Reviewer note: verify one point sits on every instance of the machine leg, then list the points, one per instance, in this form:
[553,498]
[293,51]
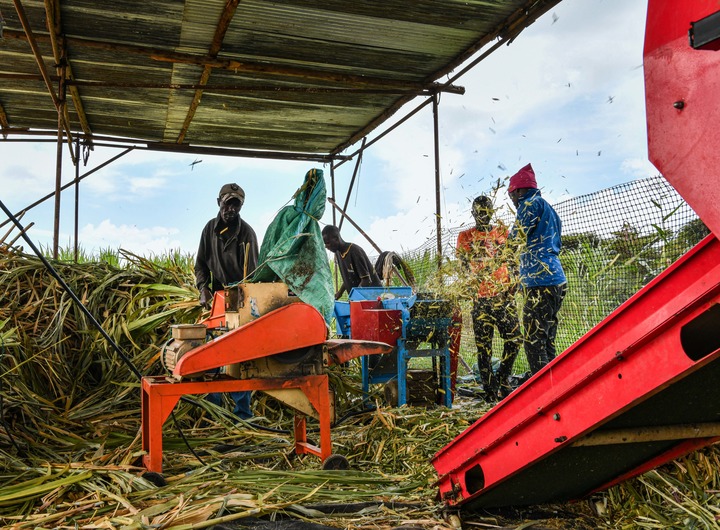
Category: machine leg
[402,369]
[159,397]
[155,410]
[317,390]
[300,432]
[455,333]
[446,377]
[365,370]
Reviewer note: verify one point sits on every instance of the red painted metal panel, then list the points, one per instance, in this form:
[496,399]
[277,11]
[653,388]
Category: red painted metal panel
[682,88]
[371,322]
[637,352]
[217,313]
[341,351]
[288,328]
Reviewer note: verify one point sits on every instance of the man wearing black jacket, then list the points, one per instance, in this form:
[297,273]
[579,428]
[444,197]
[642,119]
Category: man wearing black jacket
[228,250]
[227,254]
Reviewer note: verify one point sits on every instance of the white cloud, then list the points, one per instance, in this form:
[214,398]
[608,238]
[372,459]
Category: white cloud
[155,240]
[638,168]
[147,185]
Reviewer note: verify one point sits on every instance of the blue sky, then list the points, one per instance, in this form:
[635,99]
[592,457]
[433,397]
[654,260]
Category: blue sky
[567,95]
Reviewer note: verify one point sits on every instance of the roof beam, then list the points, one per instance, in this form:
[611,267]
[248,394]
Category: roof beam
[43,70]
[54,24]
[247,153]
[121,142]
[268,69]
[429,91]
[4,121]
[215,47]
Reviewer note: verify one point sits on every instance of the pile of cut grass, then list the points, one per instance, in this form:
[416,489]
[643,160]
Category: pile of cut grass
[70,430]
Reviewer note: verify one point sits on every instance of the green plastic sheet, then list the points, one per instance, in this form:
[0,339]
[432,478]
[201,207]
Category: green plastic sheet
[293,251]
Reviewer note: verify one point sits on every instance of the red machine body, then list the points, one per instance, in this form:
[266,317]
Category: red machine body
[640,388]
[682,87]
[297,327]
[621,400]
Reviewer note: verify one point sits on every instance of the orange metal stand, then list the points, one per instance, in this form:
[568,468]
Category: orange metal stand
[161,394]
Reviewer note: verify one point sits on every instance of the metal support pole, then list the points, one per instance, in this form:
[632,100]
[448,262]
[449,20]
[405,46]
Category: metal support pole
[336,268]
[357,227]
[438,217]
[332,189]
[58,164]
[352,181]
[77,194]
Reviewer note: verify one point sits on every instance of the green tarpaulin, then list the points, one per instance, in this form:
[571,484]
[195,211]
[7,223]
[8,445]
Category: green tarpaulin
[293,252]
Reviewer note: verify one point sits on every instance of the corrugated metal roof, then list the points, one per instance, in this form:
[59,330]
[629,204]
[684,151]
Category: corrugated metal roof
[296,76]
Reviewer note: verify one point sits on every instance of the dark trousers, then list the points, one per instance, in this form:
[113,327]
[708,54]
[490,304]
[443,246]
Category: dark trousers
[540,320]
[243,407]
[489,313]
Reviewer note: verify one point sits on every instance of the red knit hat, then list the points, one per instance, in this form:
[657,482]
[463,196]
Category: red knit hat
[525,178]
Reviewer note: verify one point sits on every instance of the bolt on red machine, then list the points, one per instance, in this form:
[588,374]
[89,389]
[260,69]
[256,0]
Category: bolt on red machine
[640,388]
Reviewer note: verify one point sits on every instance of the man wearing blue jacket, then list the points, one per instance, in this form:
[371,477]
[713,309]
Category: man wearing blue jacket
[538,230]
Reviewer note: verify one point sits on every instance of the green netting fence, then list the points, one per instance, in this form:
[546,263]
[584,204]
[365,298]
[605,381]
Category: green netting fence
[614,242]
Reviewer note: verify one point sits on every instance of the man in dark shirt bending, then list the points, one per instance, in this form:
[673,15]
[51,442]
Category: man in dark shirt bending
[355,267]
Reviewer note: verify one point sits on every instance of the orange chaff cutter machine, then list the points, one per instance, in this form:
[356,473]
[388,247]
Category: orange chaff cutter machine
[272,342]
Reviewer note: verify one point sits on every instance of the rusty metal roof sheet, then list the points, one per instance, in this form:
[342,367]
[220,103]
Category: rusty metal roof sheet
[298,76]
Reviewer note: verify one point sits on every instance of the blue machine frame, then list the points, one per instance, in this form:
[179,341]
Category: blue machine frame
[415,330]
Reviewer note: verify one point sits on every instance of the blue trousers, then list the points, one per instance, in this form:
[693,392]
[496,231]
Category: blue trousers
[242,402]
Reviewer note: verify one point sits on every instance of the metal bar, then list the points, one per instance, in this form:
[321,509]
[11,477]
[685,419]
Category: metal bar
[184,148]
[32,41]
[58,173]
[4,124]
[252,88]
[77,197]
[241,88]
[352,182]
[336,277]
[438,216]
[273,155]
[215,46]
[64,187]
[650,434]
[377,248]
[332,189]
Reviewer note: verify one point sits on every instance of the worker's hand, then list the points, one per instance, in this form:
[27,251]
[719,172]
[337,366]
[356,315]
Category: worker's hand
[205,297]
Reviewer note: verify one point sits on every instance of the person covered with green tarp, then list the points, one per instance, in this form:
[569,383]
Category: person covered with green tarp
[293,251]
